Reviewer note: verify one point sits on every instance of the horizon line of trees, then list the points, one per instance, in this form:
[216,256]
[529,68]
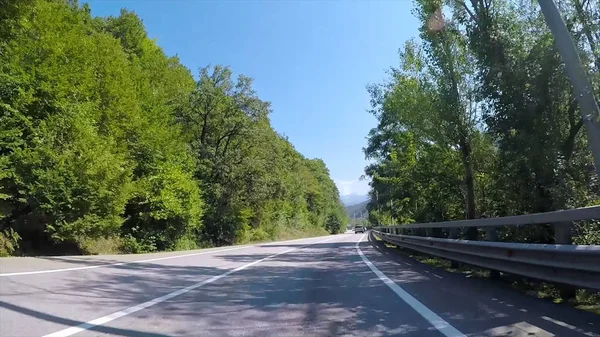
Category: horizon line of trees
[107,144]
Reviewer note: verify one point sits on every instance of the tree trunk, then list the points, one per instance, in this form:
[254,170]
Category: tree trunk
[466,154]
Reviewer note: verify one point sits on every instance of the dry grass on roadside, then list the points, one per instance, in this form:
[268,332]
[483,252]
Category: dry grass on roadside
[102,245]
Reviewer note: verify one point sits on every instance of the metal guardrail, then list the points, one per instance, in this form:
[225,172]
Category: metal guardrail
[578,214]
[574,265]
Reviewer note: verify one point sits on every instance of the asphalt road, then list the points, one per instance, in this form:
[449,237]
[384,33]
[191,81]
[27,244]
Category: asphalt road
[328,286]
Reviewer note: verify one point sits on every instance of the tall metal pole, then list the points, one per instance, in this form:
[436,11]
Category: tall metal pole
[581,85]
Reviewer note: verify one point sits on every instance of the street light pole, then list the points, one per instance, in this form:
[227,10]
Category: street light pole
[582,87]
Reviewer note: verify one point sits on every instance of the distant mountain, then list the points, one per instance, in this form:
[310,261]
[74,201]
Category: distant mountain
[353,199]
[358,211]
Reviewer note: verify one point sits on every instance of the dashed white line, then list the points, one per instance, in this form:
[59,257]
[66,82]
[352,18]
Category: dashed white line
[439,323]
[115,315]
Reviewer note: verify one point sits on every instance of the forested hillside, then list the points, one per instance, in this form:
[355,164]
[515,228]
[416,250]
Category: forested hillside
[479,118]
[357,210]
[107,144]
[358,213]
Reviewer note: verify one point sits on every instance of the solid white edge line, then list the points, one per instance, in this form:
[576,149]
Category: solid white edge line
[48,271]
[115,315]
[439,323]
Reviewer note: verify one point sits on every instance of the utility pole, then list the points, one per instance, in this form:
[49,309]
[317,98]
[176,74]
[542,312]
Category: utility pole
[582,87]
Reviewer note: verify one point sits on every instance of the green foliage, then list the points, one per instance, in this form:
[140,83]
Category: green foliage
[9,242]
[334,224]
[133,245]
[99,245]
[105,140]
[73,177]
[254,181]
[187,242]
[479,119]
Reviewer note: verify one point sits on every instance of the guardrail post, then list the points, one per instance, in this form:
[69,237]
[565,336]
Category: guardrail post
[492,235]
[429,232]
[453,234]
[564,236]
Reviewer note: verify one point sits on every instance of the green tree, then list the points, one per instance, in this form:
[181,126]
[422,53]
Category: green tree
[483,88]
[105,140]
[85,131]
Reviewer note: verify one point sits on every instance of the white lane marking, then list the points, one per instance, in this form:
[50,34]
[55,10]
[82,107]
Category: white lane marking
[439,323]
[115,315]
[569,326]
[47,271]
[114,264]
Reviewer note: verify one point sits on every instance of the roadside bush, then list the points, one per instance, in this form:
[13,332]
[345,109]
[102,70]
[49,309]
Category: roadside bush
[9,242]
[259,235]
[186,242]
[132,245]
[166,207]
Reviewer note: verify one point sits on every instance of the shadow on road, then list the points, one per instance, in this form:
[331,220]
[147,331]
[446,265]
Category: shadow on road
[475,305]
[69,322]
[320,290]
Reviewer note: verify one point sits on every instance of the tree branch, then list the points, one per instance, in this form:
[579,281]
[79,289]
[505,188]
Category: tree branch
[466,8]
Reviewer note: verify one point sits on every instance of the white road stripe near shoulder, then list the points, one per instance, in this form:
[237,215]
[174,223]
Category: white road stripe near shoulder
[439,323]
[48,271]
[111,317]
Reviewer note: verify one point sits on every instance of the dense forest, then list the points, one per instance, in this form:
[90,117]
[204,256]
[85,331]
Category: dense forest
[479,118]
[109,145]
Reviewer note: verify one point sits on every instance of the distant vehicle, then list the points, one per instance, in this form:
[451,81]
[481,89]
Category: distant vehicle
[359,229]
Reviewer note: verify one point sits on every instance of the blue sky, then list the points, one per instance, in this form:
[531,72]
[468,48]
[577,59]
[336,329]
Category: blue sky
[311,59]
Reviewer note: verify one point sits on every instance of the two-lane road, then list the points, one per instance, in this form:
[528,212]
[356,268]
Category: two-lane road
[343,285]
